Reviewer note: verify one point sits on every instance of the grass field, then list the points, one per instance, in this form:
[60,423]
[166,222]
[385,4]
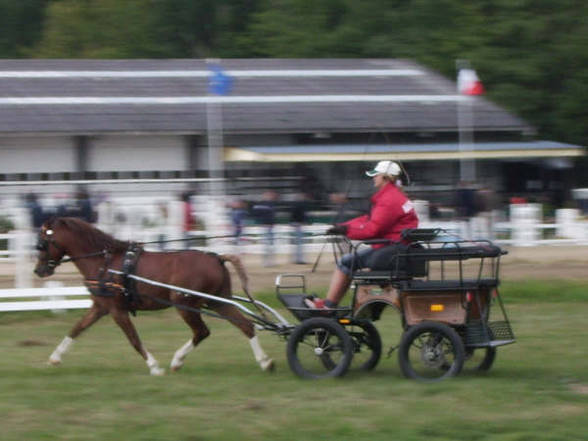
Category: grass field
[536,390]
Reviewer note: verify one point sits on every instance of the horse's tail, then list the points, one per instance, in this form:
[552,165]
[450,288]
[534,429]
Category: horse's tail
[239,268]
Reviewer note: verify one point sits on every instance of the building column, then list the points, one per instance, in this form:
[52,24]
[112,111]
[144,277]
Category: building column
[81,146]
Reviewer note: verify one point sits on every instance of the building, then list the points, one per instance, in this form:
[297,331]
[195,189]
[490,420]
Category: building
[318,118]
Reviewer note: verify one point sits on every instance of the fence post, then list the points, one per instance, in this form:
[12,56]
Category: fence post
[524,220]
[55,284]
[21,250]
[567,224]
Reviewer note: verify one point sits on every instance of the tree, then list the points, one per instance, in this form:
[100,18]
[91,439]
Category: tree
[21,25]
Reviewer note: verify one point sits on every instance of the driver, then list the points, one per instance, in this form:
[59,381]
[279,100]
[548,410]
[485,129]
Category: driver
[391,212]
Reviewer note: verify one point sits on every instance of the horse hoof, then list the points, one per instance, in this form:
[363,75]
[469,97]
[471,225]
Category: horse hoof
[268,365]
[158,372]
[175,367]
[54,361]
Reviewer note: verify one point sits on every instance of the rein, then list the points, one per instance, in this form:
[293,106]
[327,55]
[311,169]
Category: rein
[83,256]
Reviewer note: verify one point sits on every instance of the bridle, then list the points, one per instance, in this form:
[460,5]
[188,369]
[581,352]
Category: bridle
[44,242]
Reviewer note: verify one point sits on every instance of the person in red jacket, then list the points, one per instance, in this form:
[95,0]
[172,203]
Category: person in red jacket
[391,212]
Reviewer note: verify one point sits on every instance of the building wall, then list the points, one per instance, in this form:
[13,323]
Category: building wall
[137,153]
[37,154]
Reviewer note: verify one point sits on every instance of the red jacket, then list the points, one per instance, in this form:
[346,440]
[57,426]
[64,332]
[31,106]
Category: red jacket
[391,212]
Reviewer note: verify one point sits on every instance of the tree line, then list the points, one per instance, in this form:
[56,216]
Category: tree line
[530,54]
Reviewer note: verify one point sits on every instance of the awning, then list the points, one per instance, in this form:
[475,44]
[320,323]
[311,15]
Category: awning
[401,152]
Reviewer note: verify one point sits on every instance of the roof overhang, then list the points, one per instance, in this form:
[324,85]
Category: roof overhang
[406,152]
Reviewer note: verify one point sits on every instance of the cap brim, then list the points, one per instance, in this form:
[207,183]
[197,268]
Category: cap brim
[372,173]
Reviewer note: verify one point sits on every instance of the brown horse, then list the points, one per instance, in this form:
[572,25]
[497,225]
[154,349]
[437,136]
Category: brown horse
[94,252]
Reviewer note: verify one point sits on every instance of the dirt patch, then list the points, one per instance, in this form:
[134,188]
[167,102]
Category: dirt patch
[27,343]
[579,388]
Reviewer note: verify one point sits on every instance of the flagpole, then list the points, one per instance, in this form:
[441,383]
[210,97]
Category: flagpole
[465,124]
[215,140]
[215,216]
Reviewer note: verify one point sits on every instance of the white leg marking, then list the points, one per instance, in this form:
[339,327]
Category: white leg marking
[154,368]
[55,357]
[178,360]
[266,363]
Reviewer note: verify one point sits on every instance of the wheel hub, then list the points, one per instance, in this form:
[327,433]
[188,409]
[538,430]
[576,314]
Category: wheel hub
[432,355]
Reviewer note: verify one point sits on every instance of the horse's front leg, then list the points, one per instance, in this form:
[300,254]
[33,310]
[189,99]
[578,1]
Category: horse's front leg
[123,320]
[94,314]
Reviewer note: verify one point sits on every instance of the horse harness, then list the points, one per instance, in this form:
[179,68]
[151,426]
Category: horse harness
[106,286]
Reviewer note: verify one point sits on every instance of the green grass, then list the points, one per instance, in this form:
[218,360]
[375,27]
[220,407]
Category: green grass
[537,389]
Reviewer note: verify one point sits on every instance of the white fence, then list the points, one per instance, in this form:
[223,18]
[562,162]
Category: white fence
[524,228]
[51,297]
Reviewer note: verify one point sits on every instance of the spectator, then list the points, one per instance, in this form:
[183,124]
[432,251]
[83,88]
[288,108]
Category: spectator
[188,221]
[298,219]
[37,216]
[466,206]
[238,215]
[80,207]
[264,212]
[487,203]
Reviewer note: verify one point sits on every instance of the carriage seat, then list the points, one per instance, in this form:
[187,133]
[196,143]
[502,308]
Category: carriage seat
[399,262]
[393,262]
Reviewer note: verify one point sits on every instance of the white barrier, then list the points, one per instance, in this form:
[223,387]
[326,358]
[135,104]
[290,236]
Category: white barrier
[53,298]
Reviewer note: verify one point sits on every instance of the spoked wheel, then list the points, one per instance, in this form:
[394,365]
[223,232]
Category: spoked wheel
[479,359]
[367,344]
[431,351]
[319,348]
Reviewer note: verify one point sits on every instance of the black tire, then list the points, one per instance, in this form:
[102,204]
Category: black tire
[431,351]
[480,359]
[367,344]
[319,348]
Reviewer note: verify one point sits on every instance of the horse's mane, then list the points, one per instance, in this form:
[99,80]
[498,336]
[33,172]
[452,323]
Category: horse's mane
[94,237]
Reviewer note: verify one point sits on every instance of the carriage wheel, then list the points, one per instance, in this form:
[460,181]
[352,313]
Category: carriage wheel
[319,348]
[431,351]
[480,359]
[367,344]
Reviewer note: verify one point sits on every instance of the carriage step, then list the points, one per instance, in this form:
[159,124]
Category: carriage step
[496,333]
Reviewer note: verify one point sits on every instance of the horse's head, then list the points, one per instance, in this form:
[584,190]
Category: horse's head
[51,247]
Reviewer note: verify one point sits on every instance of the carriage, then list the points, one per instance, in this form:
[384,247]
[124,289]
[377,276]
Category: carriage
[445,289]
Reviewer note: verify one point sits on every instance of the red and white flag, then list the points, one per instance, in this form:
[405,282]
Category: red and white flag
[468,82]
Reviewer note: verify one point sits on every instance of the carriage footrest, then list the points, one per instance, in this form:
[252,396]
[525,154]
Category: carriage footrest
[295,303]
[496,333]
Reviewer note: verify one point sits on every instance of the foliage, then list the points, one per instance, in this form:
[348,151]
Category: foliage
[530,54]
[6,225]
[20,26]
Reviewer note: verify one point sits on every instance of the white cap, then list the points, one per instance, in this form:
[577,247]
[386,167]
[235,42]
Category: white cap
[390,168]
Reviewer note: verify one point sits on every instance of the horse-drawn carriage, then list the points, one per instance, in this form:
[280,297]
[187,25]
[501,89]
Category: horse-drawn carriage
[444,289]
[445,311]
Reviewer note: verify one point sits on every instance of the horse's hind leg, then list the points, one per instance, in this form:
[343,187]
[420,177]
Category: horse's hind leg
[123,320]
[92,316]
[231,313]
[200,331]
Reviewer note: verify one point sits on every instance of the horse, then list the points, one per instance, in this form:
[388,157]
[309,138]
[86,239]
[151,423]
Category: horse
[95,252]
